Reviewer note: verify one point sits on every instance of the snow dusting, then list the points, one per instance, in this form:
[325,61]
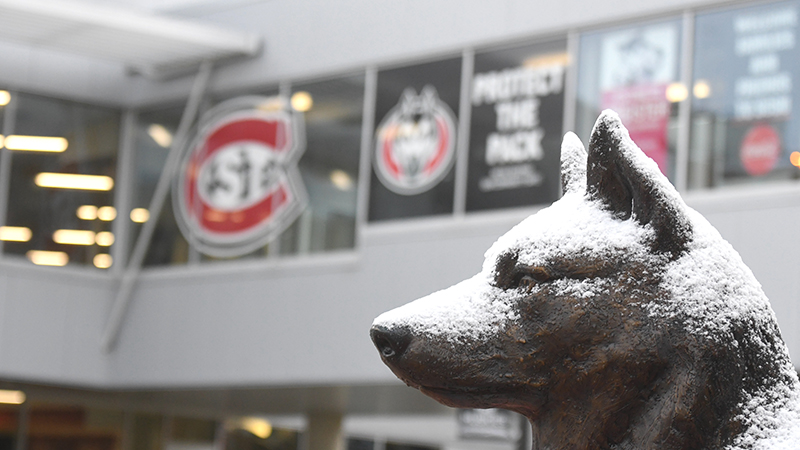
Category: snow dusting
[573,163]
[472,309]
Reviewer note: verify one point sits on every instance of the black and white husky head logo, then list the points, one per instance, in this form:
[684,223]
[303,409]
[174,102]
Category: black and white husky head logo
[415,142]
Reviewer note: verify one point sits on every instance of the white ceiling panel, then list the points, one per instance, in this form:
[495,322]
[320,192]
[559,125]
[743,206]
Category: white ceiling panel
[147,43]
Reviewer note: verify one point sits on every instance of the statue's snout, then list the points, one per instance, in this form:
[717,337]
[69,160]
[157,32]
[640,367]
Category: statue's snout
[391,342]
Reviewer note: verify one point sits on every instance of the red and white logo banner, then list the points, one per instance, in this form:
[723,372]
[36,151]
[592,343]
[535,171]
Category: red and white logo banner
[239,186]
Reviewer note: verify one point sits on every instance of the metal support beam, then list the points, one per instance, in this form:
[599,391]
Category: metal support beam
[685,107]
[134,267]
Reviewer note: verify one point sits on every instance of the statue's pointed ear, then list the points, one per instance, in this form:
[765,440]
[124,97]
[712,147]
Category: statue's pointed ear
[573,164]
[629,184]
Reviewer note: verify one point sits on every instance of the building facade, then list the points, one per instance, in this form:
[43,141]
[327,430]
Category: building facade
[415,135]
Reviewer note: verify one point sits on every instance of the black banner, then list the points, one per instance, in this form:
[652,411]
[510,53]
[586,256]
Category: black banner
[517,100]
[414,145]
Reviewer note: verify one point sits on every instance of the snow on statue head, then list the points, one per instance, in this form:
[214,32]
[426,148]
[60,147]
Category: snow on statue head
[616,318]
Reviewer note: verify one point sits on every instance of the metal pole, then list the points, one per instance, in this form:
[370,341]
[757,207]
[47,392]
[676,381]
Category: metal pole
[571,82]
[23,424]
[685,107]
[134,267]
[124,192]
[365,164]
[462,142]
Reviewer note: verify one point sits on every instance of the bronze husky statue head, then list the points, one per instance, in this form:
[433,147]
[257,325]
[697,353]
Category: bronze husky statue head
[615,318]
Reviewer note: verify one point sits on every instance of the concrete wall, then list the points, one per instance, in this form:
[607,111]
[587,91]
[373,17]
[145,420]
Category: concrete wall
[305,321]
[50,323]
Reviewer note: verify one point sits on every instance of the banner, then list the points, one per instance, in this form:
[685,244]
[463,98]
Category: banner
[517,101]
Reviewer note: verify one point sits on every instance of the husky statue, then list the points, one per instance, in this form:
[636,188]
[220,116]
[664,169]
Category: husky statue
[616,318]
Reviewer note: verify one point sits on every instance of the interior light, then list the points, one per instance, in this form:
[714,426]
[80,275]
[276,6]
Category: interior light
[5,97]
[12,397]
[140,215]
[676,92]
[794,158]
[302,101]
[160,135]
[36,143]
[551,59]
[104,238]
[273,104]
[74,181]
[45,258]
[74,237]
[106,213]
[102,260]
[258,427]
[15,234]
[701,89]
[87,212]
[341,179]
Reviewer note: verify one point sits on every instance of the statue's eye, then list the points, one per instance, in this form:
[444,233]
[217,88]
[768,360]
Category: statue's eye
[528,277]
[510,274]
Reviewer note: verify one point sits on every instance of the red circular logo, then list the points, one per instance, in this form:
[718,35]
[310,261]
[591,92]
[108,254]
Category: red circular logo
[760,150]
[239,186]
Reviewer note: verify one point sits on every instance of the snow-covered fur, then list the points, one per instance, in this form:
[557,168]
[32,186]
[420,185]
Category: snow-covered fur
[615,318]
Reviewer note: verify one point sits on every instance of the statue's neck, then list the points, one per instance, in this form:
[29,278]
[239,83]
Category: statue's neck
[671,412]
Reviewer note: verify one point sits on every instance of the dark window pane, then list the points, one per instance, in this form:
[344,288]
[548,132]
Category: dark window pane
[329,166]
[154,133]
[52,213]
[360,444]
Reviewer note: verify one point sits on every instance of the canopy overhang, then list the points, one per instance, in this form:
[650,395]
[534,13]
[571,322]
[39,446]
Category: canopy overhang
[153,45]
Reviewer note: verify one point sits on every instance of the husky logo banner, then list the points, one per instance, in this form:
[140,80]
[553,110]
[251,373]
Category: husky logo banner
[239,186]
[415,142]
[414,152]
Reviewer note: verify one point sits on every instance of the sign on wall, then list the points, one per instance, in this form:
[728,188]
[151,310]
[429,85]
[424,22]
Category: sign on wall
[414,143]
[746,61]
[637,66]
[762,93]
[238,186]
[517,100]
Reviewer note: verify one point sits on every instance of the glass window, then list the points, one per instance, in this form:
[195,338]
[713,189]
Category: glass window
[73,427]
[154,133]
[146,432]
[360,444]
[744,124]
[61,199]
[329,165]
[634,71]
[9,424]
[516,130]
[192,430]
[5,98]
[406,446]
[239,437]
[327,168]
